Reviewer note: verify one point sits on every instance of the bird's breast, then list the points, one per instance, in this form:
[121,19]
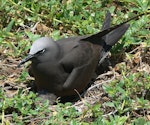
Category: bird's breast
[49,76]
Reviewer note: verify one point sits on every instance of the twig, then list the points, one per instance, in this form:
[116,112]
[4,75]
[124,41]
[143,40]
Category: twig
[78,94]
[8,115]
[134,49]
[97,85]
[39,118]
[105,74]
[34,27]
[111,113]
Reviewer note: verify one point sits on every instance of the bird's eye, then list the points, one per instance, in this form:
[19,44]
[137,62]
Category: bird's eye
[41,51]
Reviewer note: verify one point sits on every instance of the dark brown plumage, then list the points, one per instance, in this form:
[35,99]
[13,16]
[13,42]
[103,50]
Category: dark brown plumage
[61,66]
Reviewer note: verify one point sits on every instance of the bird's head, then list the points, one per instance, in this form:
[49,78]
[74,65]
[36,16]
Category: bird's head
[40,51]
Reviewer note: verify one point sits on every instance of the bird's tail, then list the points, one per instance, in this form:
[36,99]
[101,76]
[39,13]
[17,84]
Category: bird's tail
[108,36]
[107,21]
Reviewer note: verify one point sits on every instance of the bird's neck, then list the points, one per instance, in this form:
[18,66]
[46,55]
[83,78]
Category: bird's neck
[54,51]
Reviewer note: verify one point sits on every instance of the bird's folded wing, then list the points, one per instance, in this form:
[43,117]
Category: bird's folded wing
[79,64]
[77,78]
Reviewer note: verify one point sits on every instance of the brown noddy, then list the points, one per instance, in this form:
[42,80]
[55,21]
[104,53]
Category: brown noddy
[61,66]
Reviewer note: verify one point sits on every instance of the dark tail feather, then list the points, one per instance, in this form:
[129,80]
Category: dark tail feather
[116,32]
[106,31]
[108,37]
[106,24]
[107,21]
[114,36]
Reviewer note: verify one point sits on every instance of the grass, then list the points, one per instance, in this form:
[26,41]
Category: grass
[121,96]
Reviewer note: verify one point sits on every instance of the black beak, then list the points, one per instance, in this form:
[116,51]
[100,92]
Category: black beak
[29,57]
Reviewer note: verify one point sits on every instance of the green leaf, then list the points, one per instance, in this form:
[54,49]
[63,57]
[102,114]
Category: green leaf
[10,25]
[32,36]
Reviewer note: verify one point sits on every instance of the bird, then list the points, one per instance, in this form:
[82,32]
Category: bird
[60,67]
